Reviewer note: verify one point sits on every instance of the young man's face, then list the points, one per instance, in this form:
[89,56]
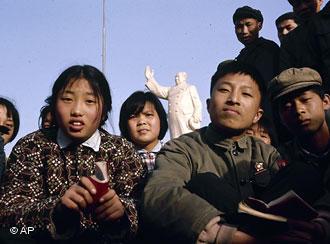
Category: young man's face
[306,8]
[303,113]
[284,27]
[235,103]
[247,30]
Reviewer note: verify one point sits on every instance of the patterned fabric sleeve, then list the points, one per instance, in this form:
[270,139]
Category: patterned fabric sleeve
[127,183]
[23,200]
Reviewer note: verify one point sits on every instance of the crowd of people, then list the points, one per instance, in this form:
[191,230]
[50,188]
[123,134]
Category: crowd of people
[269,134]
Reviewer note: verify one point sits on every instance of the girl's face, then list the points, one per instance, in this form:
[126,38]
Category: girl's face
[259,132]
[7,121]
[47,123]
[78,110]
[144,127]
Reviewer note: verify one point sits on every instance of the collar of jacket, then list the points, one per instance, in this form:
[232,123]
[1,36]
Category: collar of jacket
[217,139]
[303,153]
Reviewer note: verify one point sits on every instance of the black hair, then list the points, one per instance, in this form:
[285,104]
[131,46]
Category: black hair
[134,104]
[237,67]
[286,16]
[11,112]
[97,81]
[43,114]
[268,127]
[247,12]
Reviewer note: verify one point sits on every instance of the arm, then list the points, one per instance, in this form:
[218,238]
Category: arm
[267,63]
[24,201]
[286,59]
[127,185]
[167,205]
[197,115]
[153,86]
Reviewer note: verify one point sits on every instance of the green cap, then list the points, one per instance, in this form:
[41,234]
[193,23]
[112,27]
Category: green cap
[291,80]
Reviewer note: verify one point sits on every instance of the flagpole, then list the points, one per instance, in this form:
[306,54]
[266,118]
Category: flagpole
[103,39]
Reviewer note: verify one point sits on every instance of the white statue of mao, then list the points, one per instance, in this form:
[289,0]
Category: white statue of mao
[184,105]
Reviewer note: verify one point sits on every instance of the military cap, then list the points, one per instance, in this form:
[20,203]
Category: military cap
[291,80]
[247,12]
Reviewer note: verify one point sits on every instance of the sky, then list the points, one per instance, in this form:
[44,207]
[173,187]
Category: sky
[41,38]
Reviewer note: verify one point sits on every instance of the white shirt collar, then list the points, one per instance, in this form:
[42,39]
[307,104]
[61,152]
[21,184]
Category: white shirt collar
[93,142]
[156,149]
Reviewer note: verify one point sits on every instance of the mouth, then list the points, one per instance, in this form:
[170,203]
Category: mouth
[246,38]
[231,111]
[304,122]
[142,131]
[76,125]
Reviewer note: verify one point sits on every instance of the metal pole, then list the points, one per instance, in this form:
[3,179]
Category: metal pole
[103,40]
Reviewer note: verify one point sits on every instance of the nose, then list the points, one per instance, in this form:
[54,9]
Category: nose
[299,107]
[245,30]
[77,109]
[233,98]
[285,31]
[141,120]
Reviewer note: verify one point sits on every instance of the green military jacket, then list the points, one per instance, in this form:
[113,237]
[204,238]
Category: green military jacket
[168,206]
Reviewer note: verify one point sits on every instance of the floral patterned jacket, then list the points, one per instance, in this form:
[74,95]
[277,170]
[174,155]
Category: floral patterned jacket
[39,173]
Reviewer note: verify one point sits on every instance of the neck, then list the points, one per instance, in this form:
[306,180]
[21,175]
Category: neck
[317,142]
[234,135]
[148,147]
[251,43]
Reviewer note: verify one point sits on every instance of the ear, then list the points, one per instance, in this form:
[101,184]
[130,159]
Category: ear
[208,104]
[258,115]
[259,26]
[326,102]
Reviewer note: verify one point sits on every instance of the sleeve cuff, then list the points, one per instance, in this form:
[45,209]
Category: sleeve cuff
[225,234]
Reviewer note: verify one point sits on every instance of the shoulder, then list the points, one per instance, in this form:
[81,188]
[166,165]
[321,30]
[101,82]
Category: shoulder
[287,148]
[268,43]
[189,141]
[114,142]
[260,147]
[35,138]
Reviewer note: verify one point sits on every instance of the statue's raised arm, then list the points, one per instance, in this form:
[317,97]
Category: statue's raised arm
[153,86]
[149,73]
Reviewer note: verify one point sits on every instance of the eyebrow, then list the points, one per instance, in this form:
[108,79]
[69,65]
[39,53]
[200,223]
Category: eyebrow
[230,83]
[71,92]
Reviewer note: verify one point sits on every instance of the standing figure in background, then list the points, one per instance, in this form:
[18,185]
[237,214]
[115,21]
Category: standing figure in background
[184,105]
[259,52]
[286,23]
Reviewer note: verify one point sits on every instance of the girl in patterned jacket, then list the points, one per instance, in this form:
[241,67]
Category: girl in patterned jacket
[47,186]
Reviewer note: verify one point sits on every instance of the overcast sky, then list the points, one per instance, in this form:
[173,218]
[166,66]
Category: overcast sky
[41,38]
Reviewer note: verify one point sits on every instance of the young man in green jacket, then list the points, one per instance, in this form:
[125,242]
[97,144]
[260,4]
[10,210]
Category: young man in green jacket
[221,148]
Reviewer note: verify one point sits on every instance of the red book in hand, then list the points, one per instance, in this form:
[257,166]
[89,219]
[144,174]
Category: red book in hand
[100,180]
[288,206]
